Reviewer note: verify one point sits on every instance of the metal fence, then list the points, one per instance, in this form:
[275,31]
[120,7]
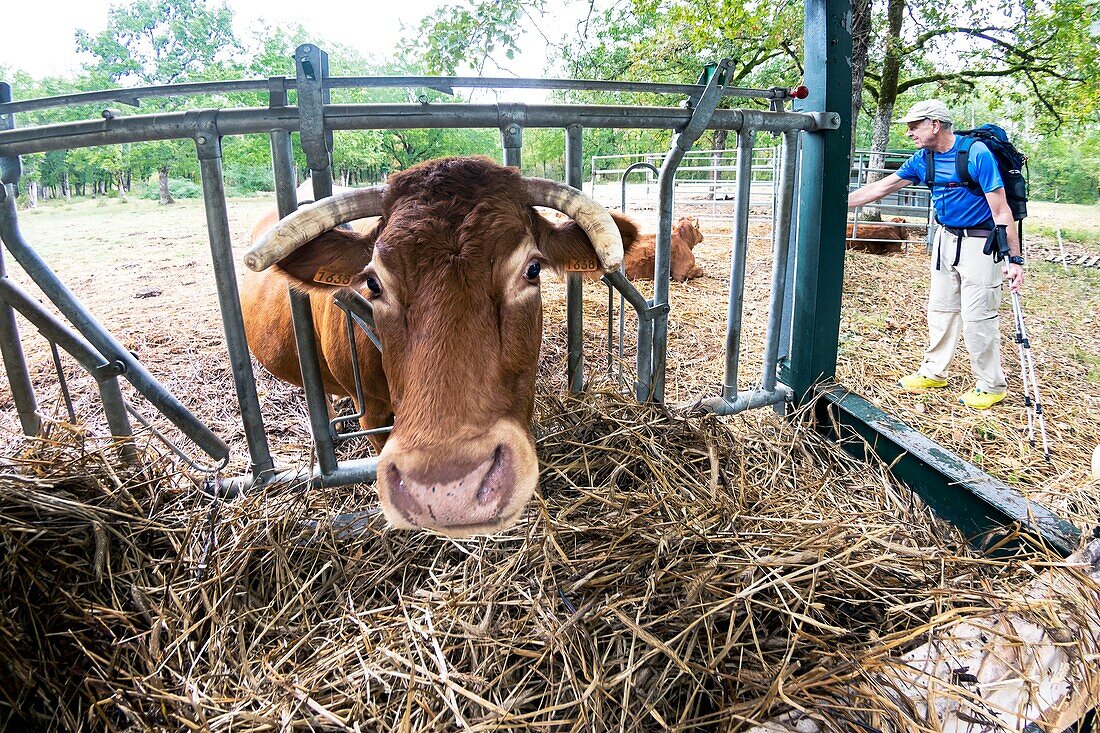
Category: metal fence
[706,180]
[314,118]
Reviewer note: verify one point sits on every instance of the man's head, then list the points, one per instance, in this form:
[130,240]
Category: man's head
[929,124]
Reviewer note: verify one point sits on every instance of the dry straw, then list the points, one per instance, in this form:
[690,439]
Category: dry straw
[673,573]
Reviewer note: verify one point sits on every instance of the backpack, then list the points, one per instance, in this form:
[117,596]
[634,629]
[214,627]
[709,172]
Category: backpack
[1010,164]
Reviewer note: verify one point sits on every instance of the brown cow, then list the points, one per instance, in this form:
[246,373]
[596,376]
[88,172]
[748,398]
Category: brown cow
[685,235]
[876,238]
[452,274]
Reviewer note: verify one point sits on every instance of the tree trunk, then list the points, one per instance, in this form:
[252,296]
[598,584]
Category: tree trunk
[32,194]
[861,40]
[165,194]
[888,95]
[66,188]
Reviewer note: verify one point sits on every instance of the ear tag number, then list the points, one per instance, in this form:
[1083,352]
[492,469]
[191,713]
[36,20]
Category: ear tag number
[582,265]
[332,278]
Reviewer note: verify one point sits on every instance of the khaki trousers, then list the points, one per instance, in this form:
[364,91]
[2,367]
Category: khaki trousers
[964,299]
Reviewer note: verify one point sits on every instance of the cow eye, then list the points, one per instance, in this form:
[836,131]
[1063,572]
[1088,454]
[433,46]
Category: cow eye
[373,285]
[533,270]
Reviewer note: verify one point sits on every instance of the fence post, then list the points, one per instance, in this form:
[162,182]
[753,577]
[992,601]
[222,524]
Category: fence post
[209,149]
[15,363]
[826,167]
[574,286]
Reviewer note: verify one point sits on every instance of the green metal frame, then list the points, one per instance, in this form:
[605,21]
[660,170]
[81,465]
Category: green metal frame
[989,513]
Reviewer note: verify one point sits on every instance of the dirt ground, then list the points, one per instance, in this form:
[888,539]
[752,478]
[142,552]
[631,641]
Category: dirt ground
[145,272]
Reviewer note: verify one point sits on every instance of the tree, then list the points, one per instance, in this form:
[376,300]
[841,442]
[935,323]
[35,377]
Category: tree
[1045,46]
[161,42]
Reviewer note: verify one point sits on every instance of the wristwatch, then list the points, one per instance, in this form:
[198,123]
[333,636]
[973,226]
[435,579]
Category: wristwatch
[1016,260]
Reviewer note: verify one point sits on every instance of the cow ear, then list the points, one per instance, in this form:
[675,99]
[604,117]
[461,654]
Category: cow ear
[336,259]
[567,247]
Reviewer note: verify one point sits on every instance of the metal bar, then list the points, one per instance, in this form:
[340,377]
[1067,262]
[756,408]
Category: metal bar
[114,408]
[11,348]
[358,471]
[738,257]
[511,119]
[681,143]
[133,96]
[311,67]
[208,148]
[101,339]
[574,284]
[823,208]
[981,507]
[141,128]
[311,64]
[781,249]
[747,400]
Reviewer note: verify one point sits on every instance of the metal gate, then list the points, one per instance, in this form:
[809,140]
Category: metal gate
[314,118]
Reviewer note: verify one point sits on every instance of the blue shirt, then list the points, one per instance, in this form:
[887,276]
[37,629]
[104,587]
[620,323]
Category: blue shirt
[956,206]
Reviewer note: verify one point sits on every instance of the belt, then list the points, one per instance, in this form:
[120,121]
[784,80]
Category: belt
[964,232]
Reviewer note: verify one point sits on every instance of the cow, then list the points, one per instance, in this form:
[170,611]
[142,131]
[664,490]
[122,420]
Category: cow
[685,235]
[452,271]
[876,238]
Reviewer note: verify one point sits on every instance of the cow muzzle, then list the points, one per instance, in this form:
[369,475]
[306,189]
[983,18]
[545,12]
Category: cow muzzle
[477,486]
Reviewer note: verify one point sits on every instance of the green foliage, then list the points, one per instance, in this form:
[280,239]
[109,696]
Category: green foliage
[180,189]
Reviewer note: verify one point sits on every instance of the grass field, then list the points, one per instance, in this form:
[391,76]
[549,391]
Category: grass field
[145,272]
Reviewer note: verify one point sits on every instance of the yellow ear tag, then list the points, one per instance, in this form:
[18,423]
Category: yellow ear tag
[587,264]
[327,277]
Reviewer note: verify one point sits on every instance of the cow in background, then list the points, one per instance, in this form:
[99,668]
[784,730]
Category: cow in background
[877,239]
[685,235]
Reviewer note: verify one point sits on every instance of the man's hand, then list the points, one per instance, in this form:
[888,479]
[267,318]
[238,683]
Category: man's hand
[1015,275]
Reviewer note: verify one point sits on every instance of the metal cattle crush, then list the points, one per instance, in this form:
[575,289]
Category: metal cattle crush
[804,313]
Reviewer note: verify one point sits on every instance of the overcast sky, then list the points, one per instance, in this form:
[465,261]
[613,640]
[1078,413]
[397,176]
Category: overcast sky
[37,37]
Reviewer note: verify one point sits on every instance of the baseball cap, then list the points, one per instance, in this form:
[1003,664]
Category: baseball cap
[929,109]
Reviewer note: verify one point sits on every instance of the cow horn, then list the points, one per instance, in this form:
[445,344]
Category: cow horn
[590,215]
[310,222]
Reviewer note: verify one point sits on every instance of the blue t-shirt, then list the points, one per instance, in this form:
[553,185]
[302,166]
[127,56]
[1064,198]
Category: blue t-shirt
[956,206]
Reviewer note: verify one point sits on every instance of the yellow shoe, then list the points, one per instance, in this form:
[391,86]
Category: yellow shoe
[917,382]
[979,399]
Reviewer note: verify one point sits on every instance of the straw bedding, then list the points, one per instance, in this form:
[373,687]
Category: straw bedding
[680,573]
[673,572]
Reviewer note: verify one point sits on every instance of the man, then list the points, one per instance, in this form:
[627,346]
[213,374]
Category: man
[965,292]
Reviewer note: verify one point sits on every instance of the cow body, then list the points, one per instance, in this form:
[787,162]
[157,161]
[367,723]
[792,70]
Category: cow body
[452,272]
[876,238]
[639,262]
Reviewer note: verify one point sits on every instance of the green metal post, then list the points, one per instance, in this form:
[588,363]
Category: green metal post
[819,259]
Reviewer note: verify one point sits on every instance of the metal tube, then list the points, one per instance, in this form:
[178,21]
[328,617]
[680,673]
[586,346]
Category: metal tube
[782,245]
[358,471]
[208,147]
[747,400]
[574,285]
[179,125]
[309,361]
[740,247]
[102,340]
[114,407]
[132,97]
[11,346]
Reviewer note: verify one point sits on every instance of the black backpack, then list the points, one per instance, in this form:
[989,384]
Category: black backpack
[1010,164]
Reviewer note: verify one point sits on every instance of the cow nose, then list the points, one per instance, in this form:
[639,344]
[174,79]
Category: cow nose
[443,497]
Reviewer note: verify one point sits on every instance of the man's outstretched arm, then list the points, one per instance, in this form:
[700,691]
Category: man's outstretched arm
[875,191]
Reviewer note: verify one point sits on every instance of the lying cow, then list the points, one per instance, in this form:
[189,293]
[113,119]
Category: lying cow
[452,271]
[876,238]
[685,235]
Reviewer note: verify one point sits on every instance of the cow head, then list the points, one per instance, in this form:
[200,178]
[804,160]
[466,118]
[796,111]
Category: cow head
[688,229]
[453,274]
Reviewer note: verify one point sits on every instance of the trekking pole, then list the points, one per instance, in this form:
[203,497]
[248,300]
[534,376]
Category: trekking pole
[1023,371]
[1027,357]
